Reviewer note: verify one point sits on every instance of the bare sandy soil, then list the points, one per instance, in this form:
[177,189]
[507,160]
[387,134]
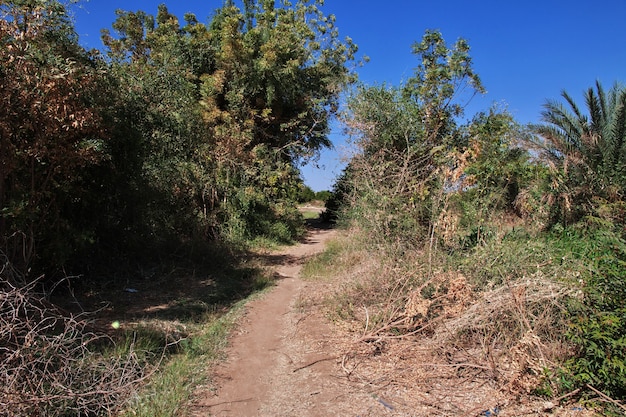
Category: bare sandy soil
[286,359]
[281,361]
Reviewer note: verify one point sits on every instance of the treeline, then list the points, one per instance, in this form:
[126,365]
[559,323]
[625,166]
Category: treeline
[176,131]
[501,204]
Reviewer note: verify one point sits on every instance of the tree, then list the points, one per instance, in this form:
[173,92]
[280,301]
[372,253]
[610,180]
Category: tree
[408,138]
[250,92]
[277,78]
[442,85]
[50,131]
[585,152]
[497,166]
[275,87]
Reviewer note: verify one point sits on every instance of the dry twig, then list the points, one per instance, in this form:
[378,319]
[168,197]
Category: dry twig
[50,362]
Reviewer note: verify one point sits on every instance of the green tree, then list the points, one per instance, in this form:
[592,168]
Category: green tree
[276,84]
[163,180]
[408,139]
[278,77]
[306,194]
[585,152]
[207,105]
[497,165]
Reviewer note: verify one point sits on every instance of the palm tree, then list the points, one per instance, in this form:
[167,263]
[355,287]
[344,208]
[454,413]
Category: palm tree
[586,152]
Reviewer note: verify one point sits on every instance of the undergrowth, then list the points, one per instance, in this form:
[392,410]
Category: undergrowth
[171,388]
[543,310]
[135,345]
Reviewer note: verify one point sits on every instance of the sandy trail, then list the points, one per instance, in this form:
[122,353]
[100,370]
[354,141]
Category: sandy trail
[281,361]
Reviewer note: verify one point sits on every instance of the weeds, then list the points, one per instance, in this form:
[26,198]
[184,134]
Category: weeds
[499,308]
[51,363]
[170,390]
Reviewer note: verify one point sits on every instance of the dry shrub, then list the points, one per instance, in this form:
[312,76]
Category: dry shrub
[512,334]
[515,331]
[393,296]
[448,225]
[50,364]
[451,294]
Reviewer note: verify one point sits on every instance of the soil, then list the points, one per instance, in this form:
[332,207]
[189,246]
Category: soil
[287,359]
[281,361]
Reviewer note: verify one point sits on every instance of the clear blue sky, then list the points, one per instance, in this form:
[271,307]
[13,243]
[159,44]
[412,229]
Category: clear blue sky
[524,51]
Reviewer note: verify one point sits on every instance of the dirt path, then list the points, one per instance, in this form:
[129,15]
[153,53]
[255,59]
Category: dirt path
[281,361]
[286,360]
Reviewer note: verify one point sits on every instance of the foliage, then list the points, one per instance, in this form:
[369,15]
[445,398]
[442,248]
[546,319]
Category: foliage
[498,167]
[176,134]
[161,156]
[323,195]
[265,87]
[418,176]
[162,139]
[598,324]
[496,171]
[50,130]
[585,152]
[408,139]
[305,194]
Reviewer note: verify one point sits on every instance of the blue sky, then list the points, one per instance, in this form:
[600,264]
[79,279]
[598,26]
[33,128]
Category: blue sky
[524,51]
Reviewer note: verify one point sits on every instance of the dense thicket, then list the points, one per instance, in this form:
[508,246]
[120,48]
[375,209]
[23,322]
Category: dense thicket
[475,197]
[174,132]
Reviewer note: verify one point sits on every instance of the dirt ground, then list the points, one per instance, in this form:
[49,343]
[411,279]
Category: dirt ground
[287,359]
[281,361]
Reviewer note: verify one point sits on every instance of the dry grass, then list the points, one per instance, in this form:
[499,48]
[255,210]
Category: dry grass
[50,361]
[437,344]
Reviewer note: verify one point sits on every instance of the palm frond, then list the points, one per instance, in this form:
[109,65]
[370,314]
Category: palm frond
[555,115]
[572,104]
[597,117]
[587,152]
[618,133]
[602,100]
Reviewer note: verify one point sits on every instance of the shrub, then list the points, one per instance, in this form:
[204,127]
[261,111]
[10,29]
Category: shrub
[598,323]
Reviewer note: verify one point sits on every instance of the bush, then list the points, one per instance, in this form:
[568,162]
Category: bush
[50,362]
[598,323]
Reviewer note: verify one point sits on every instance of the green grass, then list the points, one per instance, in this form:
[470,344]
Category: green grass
[177,343]
[310,215]
[339,255]
[170,389]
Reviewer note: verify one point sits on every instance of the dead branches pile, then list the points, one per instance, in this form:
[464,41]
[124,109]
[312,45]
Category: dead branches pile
[509,334]
[52,364]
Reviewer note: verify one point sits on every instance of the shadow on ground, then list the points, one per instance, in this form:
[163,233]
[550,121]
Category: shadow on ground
[183,288]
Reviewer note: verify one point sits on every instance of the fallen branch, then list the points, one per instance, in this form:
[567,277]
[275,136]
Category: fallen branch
[313,363]
[606,397]
[569,394]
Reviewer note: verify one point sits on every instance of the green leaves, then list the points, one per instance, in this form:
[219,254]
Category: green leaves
[257,85]
[439,81]
[408,140]
[586,152]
